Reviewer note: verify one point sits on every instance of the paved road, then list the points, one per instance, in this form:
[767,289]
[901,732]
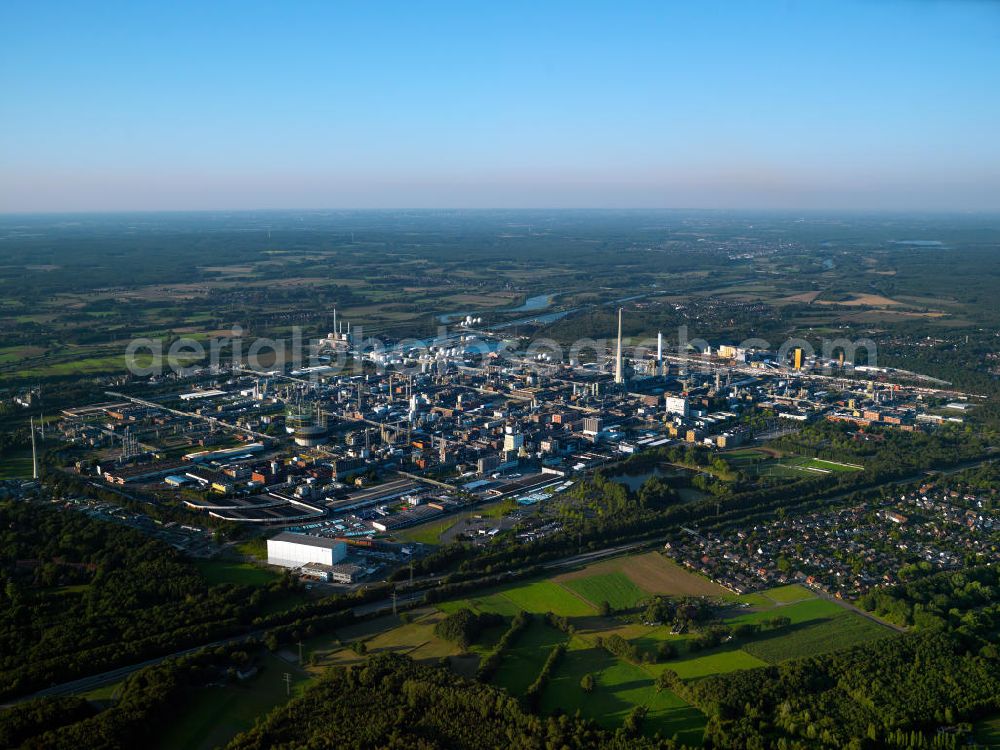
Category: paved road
[85,684]
[589,557]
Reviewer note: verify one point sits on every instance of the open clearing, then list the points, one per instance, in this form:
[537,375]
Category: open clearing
[803,298]
[619,687]
[716,661]
[834,466]
[495,602]
[802,611]
[415,639]
[614,588]
[857,300]
[521,664]
[215,715]
[651,572]
[791,466]
[546,596]
[821,636]
[240,573]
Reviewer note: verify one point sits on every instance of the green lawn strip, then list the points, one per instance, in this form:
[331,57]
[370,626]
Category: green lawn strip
[255,547]
[614,588]
[104,692]
[789,594]
[521,663]
[720,660]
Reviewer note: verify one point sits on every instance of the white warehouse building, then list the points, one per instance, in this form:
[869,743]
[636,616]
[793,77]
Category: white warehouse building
[295,550]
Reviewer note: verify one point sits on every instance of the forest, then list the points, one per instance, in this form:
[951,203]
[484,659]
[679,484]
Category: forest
[79,596]
[894,693]
[392,702]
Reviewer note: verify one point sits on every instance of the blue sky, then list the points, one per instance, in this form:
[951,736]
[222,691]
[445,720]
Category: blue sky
[741,104]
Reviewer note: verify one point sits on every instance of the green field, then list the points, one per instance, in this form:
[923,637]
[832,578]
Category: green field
[521,663]
[619,687]
[430,532]
[844,630]
[614,588]
[744,454]
[240,573]
[545,596]
[107,692]
[805,465]
[16,466]
[715,661]
[835,466]
[817,626]
[755,599]
[810,609]
[495,602]
[255,547]
[416,639]
[761,464]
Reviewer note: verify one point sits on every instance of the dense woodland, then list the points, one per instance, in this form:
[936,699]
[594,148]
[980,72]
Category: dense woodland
[150,699]
[392,702]
[79,596]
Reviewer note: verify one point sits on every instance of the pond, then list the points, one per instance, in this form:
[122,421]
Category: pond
[538,302]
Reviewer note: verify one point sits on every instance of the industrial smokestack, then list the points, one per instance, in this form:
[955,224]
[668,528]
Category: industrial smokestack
[34,449]
[619,372]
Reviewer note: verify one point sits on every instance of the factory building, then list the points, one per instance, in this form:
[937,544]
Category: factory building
[295,550]
[512,441]
[677,405]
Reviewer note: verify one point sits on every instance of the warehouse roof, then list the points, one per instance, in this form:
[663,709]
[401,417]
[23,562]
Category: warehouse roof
[306,539]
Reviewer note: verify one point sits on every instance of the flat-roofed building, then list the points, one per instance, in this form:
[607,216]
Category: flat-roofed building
[295,550]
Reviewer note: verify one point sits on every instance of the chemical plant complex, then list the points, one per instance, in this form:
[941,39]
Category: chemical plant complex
[335,463]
